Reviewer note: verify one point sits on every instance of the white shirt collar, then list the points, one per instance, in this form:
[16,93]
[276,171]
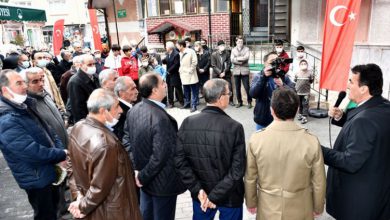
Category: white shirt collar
[126,103]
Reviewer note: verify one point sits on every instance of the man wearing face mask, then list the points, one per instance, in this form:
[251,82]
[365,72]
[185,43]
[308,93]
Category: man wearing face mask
[105,183]
[29,146]
[66,77]
[64,65]
[80,86]
[99,62]
[300,55]
[282,54]
[221,64]
[204,63]
[145,67]
[41,59]
[240,58]
[23,63]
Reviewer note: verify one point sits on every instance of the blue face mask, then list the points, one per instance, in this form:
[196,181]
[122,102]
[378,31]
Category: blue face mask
[133,53]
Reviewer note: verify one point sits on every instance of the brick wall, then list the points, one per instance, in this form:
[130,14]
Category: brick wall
[220,25]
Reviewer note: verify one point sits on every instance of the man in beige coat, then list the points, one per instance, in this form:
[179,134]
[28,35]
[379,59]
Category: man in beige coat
[188,75]
[285,174]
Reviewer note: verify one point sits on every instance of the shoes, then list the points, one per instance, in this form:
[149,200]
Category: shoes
[193,109]
[231,103]
[185,106]
[171,105]
[249,105]
[238,105]
[300,117]
[304,120]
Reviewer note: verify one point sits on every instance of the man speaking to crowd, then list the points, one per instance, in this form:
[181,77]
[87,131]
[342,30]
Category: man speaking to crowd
[358,180]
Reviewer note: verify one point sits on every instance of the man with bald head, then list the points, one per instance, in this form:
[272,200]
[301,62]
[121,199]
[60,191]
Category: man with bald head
[80,86]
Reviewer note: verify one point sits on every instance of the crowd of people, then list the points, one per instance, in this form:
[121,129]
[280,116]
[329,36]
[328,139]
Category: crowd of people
[96,122]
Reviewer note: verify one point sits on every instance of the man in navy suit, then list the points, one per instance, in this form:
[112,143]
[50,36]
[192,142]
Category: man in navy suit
[172,60]
[358,180]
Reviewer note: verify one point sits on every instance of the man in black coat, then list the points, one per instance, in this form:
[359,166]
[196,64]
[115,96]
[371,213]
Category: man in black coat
[358,180]
[204,63]
[64,65]
[221,64]
[151,134]
[211,159]
[127,93]
[172,59]
[80,86]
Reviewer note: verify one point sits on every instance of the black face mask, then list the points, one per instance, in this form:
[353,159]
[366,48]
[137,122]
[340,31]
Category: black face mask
[204,47]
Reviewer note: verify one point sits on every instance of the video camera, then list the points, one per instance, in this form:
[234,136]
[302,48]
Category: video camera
[277,72]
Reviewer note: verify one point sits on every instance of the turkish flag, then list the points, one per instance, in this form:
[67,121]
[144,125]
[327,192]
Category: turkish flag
[340,25]
[95,30]
[58,36]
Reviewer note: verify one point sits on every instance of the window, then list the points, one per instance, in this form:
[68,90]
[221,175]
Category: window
[177,6]
[152,8]
[164,7]
[191,6]
[203,6]
[222,5]
[57,4]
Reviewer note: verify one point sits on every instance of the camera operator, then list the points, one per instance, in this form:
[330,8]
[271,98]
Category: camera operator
[263,84]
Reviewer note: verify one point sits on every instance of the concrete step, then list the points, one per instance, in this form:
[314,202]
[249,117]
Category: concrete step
[259,34]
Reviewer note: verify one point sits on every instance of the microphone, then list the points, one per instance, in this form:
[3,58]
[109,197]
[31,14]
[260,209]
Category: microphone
[342,95]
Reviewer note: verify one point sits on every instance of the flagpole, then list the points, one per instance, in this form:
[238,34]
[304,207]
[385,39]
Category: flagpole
[116,22]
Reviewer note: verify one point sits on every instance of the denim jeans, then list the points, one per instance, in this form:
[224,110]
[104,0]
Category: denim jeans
[225,213]
[191,95]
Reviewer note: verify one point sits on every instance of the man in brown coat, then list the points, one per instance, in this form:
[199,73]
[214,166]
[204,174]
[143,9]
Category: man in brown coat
[102,177]
[285,174]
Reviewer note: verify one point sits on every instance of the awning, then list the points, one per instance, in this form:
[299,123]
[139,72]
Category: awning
[14,13]
[167,26]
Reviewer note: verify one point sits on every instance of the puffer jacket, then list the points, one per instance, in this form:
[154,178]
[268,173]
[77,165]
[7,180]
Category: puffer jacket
[150,136]
[130,67]
[211,156]
[29,147]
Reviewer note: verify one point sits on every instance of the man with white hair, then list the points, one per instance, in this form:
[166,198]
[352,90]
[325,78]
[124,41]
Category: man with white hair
[80,86]
[66,77]
[172,59]
[127,93]
[78,50]
[105,181]
[107,79]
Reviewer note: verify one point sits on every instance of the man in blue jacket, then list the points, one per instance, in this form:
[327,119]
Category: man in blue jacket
[263,84]
[29,147]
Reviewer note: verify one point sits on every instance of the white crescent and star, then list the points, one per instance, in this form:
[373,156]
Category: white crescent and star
[58,33]
[351,16]
[95,29]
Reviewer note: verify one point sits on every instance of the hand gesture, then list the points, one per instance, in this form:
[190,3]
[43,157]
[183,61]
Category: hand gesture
[278,82]
[316,215]
[137,182]
[75,210]
[268,70]
[222,75]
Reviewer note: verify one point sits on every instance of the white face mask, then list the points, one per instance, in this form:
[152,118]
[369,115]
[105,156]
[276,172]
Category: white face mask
[42,63]
[300,54]
[98,56]
[145,64]
[26,64]
[279,50]
[91,70]
[303,67]
[19,99]
[112,123]
[221,48]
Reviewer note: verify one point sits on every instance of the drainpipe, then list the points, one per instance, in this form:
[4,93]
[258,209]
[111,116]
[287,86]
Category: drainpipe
[210,38]
[116,22]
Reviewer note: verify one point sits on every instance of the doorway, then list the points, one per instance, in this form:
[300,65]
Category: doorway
[259,13]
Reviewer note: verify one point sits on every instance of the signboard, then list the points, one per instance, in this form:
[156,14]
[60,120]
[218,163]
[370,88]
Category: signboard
[10,13]
[122,13]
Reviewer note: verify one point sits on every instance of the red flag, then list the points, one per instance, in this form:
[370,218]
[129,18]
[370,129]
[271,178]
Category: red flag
[340,25]
[58,36]
[95,30]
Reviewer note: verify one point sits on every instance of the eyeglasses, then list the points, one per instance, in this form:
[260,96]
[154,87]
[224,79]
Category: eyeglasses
[228,94]
[90,64]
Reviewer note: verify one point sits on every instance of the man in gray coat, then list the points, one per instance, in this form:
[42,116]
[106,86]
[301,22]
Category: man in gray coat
[240,57]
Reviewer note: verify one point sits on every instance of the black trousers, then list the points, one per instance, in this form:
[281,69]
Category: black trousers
[245,82]
[304,105]
[229,80]
[178,92]
[44,202]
